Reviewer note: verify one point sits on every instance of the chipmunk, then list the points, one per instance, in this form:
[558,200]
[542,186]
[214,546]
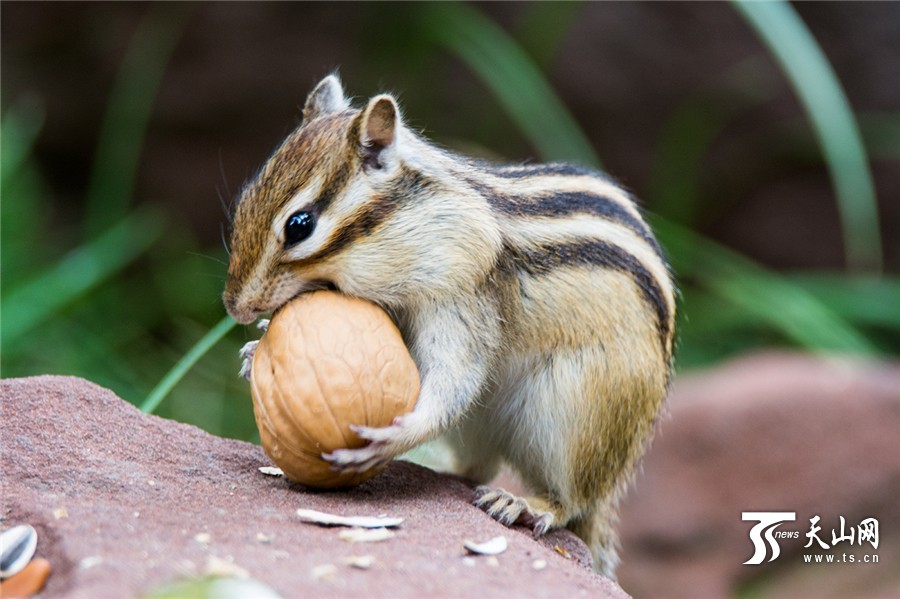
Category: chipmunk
[534,300]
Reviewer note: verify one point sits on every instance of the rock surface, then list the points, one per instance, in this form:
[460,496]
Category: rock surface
[770,432]
[125,502]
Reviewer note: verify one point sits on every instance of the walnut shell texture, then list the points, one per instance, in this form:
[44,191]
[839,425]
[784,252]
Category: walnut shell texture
[328,361]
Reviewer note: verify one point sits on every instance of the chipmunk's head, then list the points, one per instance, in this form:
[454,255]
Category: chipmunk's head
[326,190]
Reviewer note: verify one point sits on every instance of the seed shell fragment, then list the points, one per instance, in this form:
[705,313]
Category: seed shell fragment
[17,545]
[362,562]
[495,546]
[365,535]
[354,521]
[325,572]
[271,471]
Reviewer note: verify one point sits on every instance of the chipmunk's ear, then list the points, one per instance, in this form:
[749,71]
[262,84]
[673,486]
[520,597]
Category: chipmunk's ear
[378,130]
[327,97]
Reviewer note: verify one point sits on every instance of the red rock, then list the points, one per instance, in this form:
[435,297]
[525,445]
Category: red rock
[124,503]
[770,432]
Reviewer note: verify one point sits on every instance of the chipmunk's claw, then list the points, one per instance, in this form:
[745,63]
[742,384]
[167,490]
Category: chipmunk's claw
[246,355]
[508,509]
[384,444]
[246,352]
[357,460]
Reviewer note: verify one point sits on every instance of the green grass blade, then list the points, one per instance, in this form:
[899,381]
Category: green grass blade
[865,300]
[769,297]
[19,131]
[691,129]
[22,204]
[543,29]
[128,112]
[187,362]
[820,92]
[683,143]
[27,305]
[513,78]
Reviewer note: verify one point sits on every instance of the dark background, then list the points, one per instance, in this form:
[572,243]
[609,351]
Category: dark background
[681,101]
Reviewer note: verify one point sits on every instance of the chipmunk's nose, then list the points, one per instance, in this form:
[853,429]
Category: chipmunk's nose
[242,313]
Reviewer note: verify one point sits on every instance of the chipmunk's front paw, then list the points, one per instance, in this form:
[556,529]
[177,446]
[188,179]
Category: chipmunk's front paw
[246,355]
[384,444]
[506,508]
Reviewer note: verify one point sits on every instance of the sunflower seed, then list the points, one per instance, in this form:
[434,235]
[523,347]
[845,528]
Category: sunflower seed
[17,546]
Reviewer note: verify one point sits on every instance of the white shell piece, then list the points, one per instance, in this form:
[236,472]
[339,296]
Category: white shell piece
[365,535]
[17,545]
[89,562]
[357,521]
[363,562]
[233,588]
[224,567]
[324,572]
[495,546]
[271,471]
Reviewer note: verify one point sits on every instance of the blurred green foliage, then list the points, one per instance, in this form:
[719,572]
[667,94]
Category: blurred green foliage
[133,304]
[122,295]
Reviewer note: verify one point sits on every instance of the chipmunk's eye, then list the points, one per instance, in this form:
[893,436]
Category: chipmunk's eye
[298,227]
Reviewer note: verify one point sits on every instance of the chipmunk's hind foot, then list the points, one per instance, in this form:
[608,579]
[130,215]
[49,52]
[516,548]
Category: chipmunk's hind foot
[508,509]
